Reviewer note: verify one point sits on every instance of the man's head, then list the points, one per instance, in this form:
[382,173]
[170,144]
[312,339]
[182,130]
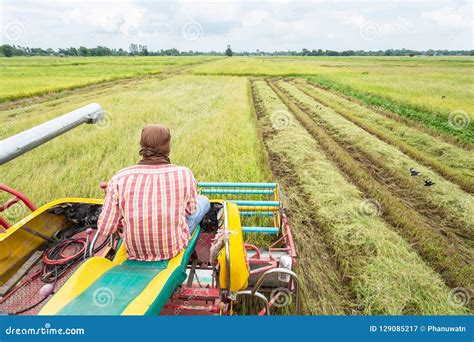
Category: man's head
[155,145]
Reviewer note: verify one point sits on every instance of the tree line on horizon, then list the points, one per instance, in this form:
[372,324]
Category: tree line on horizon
[141,50]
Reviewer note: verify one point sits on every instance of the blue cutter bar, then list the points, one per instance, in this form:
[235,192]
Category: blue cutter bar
[236,192]
[267,230]
[256,213]
[256,203]
[236,185]
[249,208]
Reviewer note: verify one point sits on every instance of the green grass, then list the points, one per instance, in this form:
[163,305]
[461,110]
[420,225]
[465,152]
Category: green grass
[385,274]
[33,76]
[431,118]
[422,81]
[421,88]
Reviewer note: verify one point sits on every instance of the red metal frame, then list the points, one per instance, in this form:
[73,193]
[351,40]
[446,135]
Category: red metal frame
[271,262]
[18,196]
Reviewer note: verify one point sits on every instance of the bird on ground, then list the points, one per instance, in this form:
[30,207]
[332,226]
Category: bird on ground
[428,182]
[413,172]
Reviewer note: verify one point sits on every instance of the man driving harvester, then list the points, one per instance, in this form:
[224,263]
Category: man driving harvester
[155,201]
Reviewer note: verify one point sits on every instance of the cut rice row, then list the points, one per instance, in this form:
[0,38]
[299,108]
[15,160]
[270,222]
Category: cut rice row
[383,271]
[451,161]
[435,249]
[454,206]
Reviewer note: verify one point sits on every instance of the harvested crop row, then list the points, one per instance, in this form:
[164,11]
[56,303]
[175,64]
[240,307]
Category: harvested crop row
[324,289]
[444,202]
[383,271]
[452,162]
[438,252]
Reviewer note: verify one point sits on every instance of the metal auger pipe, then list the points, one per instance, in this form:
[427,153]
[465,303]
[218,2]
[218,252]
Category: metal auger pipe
[15,146]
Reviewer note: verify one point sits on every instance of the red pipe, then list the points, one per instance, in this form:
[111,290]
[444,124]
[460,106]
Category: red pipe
[19,196]
[254,248]
[4,223]
[8,204]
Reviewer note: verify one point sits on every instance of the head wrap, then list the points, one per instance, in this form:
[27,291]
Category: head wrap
[155,145]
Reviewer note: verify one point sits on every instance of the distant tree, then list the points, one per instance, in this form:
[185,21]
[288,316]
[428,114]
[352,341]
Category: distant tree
[72,51]
[430,52]
[7,50]
[228,51]
[142,50]
[133,49]
[83,51]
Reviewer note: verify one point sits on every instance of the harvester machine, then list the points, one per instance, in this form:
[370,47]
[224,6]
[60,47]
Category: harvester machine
[53,261]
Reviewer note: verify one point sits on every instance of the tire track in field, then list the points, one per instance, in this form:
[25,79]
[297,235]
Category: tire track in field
[434,248]
[101,86]
[437,215]
[78,95]
[445,171]
[104,85]
[325,289]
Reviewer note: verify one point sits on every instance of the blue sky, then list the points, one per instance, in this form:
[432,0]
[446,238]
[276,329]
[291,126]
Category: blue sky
[245,25]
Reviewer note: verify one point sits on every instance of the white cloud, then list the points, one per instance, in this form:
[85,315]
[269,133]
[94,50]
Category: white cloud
[450,17]
[349,17]
[246,25]
[256,18]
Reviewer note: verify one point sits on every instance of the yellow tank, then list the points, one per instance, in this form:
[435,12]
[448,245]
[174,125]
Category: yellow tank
[239,273]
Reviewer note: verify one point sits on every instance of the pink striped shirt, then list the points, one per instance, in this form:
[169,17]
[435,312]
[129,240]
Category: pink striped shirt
[152,202]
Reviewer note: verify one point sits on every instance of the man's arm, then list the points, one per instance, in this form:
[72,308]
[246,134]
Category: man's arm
[110,216]
[191,206]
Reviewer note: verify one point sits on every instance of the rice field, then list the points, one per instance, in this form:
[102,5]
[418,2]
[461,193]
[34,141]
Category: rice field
[426,90]
[371,237]
[24,77]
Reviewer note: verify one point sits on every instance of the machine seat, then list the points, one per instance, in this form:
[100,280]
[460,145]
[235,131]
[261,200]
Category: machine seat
[121,287]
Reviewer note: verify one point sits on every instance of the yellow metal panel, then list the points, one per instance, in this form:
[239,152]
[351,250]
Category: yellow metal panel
[121,255]
[80,281]
[239,273]
[142,303]
[44,208]
[17,245]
